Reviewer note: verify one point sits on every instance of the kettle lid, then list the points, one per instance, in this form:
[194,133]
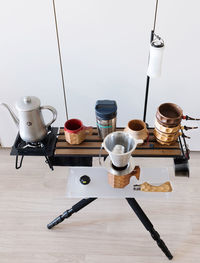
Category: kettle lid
[27,103]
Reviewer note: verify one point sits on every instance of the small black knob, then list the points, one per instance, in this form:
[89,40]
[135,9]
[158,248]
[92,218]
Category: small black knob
[85,179]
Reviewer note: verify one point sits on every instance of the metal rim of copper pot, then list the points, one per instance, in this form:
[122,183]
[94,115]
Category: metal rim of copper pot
[174,115]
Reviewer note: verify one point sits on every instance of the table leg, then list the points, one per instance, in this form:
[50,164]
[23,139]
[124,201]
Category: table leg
[148,225]
[75,208]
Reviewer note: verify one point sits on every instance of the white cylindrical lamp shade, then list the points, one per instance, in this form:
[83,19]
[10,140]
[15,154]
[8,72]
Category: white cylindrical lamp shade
[155,61]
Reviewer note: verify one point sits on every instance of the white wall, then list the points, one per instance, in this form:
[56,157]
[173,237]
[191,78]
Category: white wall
[179,23]
[29,62]
[105,46]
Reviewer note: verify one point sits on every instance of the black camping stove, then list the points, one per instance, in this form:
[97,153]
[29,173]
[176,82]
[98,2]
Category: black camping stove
[44,148]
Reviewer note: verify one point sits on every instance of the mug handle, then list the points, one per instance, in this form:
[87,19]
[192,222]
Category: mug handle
[53,110]
[138,141]
[88,130]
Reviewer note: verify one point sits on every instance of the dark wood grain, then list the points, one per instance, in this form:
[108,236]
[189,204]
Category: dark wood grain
[91,147]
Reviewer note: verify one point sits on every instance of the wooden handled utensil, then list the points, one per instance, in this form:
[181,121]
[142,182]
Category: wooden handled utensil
[146,187]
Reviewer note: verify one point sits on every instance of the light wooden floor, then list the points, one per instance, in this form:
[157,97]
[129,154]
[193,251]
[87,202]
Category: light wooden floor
[105,231]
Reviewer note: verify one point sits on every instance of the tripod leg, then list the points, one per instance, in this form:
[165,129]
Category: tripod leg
[148,225]
[75,208]
[48,161]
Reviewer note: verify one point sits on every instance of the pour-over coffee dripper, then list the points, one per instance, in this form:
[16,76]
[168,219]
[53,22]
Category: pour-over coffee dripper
[123,140]
[120,164]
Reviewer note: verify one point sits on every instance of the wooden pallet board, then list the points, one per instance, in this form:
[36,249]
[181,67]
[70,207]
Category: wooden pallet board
[91,147]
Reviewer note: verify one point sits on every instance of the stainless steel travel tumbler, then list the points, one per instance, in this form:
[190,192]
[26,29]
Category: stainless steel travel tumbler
[106,112]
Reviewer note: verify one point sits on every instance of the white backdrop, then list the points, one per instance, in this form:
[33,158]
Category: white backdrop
[104,44]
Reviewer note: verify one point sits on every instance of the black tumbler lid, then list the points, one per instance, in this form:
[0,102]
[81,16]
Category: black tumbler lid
[106,109]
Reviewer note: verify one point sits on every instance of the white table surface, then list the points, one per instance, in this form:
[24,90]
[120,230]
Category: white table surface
[99,186]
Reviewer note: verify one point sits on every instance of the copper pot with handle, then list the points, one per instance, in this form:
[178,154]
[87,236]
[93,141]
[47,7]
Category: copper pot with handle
[171,115]
[168,123]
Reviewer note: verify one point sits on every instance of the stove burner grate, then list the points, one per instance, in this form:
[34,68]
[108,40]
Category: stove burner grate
[44,148]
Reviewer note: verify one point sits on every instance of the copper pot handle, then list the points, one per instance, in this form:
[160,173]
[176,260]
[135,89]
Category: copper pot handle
[186,117]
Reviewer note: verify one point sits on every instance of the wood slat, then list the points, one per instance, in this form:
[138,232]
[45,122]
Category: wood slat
[86,144]
[61,131]
[96,138]
[82,145]
[137,152]
[92,144]
[88,138]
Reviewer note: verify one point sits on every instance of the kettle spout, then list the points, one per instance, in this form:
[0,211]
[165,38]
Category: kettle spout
[15,119]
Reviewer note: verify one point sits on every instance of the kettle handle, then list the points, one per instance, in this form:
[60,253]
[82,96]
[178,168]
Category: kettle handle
[53,110]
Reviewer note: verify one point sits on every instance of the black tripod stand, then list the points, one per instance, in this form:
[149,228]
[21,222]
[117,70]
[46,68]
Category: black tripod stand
[136,208]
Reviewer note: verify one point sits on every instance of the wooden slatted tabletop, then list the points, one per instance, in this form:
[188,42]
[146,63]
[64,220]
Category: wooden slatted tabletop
[91,147]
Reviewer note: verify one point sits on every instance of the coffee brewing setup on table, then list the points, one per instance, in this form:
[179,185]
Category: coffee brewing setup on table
[118,176]
[76,145]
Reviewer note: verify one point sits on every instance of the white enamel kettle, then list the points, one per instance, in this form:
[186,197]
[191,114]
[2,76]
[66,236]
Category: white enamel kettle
[30,121]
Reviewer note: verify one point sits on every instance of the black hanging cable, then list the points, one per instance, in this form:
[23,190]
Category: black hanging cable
[60,59]
[148,78]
